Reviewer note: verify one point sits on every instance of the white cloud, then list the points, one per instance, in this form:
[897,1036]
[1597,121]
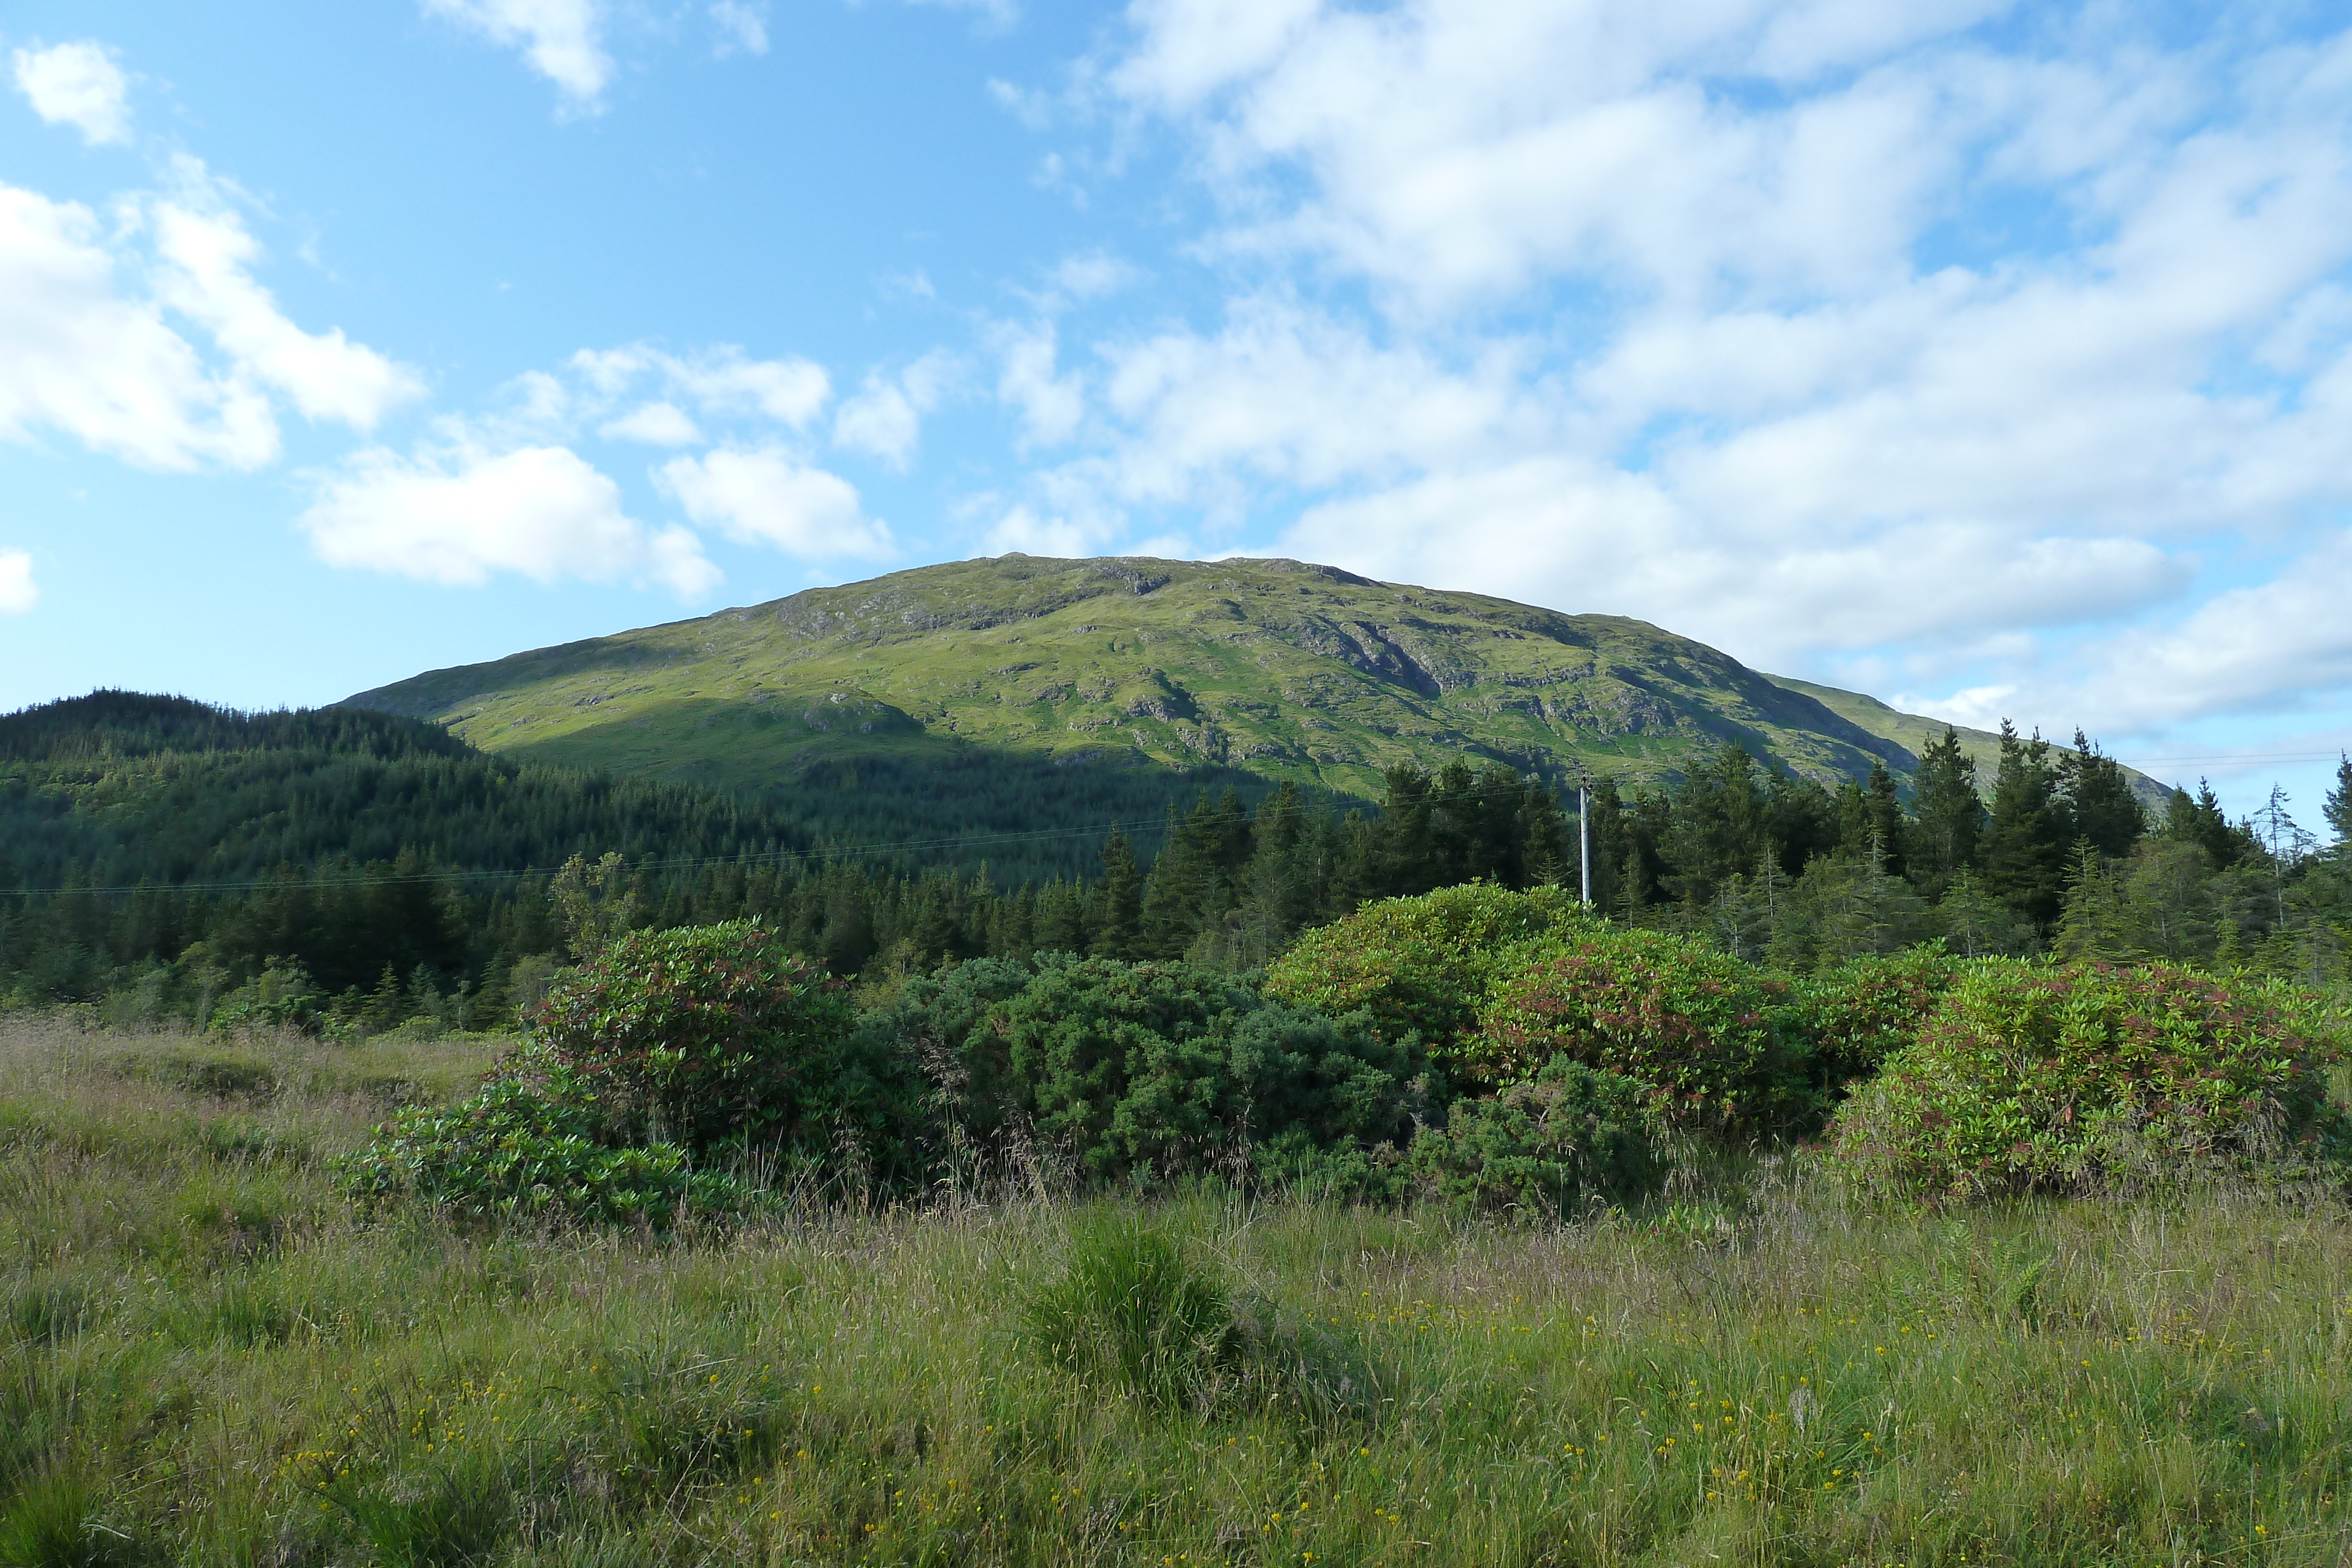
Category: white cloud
[2271,646]
[1051,404]
[740,27]
[460,515]
[205,258]
[1022,531]
[721,380]
[655,424]
[995,14]
[885,418]
[79,355]
[79,85]
[562,40]
[790,391]
[763,496]
[1811,327]
[19,593]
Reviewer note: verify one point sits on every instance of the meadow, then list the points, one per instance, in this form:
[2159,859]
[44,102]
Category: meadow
[209,1356]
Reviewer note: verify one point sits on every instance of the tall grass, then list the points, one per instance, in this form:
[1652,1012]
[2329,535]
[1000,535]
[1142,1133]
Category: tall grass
[206,1358]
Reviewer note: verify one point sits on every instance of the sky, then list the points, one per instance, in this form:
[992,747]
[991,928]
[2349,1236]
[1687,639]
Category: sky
[1993,358]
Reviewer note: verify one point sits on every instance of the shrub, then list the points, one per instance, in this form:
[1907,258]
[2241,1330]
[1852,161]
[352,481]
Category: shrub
[1708,1037]
[1423,965]
[1863,1012]
[1551,1144]
[2035,1077]
[712,1034]
[1153,1068]
[532,1149]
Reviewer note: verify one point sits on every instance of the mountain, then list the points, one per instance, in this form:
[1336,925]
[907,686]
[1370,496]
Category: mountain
[1257,669]
[1913,731]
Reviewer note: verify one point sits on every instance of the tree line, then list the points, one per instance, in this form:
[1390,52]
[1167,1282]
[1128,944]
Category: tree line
[396,919]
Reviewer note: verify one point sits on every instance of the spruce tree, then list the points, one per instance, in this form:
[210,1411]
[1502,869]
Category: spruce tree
[2025,845]
[2100,798]
[1948,816]
[2339,809]
[1122,930]
[1886,817]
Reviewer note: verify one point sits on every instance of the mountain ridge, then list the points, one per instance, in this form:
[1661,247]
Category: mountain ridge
[1275,668]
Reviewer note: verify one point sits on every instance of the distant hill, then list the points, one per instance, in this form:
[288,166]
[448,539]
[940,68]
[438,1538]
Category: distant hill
[1915,731]
[1262,669]
[118,789]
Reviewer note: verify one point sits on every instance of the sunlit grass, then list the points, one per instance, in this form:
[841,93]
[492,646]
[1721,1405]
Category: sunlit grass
[204,1358]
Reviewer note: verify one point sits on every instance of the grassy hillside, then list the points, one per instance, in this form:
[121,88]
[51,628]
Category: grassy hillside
[1913,731]
[1272,667]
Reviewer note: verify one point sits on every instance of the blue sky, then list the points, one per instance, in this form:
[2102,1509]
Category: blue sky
[1995,358]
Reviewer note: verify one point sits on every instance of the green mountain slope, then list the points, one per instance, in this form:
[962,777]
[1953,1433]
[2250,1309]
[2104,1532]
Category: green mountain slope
[1913,731]
[1272,668]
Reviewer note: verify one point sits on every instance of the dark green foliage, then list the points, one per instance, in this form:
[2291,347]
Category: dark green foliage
[1941,839]
[1121,934]
[1862,1012]
[2030,1078]
[2099,797]
[2337,809]
[1708,1038]
[2027,842]
[708,1035]
[1152,1069]
[1566,1137]
[1132,1313]
[1423,967]
[534,1148]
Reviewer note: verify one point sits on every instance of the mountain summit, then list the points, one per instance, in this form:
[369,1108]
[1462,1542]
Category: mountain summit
[1277,668]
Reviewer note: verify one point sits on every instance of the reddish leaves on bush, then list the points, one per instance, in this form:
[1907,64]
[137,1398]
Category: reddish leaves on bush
[2035,1077]
[695,1035]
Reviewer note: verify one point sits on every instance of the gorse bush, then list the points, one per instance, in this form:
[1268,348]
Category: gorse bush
[1146,1071]
[1710,1039]
[1423,965]
[2032,1078]
[1551,1144]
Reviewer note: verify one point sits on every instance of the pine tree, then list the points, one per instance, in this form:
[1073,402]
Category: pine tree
[2024,848]
[2100,798]
[1121,931]
[2095,922]
[1948,816]
[2339,809]
[1886,823]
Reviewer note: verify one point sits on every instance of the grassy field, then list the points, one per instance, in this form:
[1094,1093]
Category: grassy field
[207,1357]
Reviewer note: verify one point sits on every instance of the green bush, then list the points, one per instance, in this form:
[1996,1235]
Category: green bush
[526,1148]
[1863,1012]
[2033,1078]
[1152,1069]
[1423,965]
[718,1034]
[1552,1143]
[1709,1039]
